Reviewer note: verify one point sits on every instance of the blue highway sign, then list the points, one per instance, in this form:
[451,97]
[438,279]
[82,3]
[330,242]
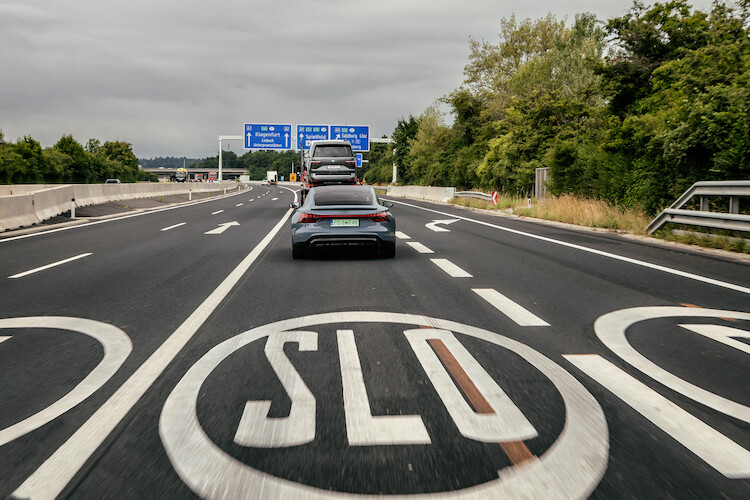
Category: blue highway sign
[308,133]
[358,158]
[358,136]
[268,136]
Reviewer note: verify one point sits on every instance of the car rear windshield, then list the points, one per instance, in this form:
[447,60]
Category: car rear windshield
[343,196]
[333,151]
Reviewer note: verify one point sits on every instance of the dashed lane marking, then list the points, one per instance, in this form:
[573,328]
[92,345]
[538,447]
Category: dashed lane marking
[217,212]
[506,306]
[419,247]
[452,269]
[402,236]
[172,227]
[238,205]
[48,266]
[656,267]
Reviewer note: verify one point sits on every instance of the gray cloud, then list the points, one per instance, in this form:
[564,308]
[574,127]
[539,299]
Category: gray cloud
[170,76]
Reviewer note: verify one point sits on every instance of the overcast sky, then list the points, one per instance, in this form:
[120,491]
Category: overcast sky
[171,76]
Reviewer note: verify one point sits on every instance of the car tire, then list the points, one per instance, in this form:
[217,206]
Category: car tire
[299,252]
[388,250]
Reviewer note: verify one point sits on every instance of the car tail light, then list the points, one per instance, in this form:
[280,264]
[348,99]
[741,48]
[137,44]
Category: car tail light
[306,218]
[315,163]
[351,162]
[378,217]
[311,218]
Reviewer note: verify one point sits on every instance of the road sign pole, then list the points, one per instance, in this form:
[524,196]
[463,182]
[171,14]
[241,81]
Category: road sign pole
[226,138]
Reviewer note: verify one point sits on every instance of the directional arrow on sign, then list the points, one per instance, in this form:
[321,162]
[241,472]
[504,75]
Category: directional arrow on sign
[223,227]
[433,225]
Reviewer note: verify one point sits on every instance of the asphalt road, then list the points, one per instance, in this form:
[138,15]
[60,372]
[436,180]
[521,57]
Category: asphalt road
[183,352]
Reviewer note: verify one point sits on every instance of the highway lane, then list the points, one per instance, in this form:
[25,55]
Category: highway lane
[141,279]
[514,328]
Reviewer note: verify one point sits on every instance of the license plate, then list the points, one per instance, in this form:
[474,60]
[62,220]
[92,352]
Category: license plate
[344,222]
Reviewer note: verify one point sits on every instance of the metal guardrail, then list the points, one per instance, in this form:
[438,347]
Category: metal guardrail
[732,221]
[473,194]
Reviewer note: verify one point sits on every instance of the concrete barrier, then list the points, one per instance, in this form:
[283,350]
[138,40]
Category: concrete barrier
[422,192]
[29,204]
[51,202]
[17,211]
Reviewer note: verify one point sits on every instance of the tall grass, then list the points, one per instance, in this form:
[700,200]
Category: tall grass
[587,212]
[503,202]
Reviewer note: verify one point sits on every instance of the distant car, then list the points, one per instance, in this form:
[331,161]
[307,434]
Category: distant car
[343,216]
[112,181]
[272,182]
[328,162]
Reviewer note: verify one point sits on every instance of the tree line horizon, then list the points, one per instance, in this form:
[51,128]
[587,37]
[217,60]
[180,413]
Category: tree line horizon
[632,110]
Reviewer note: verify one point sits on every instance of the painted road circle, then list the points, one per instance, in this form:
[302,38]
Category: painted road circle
[611,329]
[117,347]
[571,467]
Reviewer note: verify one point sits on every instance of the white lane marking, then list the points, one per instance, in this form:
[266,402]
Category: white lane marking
[402,236]
[48,266]
[601,253]
[714,448]
[517,313]
[274,199]
[722,334]
[217,212]
[255,428]
[452,269]
[611,328]
[238,205]
[57,471]
[419,247]
[117,348]
[362,428]
[172,227]
[506,424]
[223,227]
[570,468]
[251,199]
[433,225]
[3,339]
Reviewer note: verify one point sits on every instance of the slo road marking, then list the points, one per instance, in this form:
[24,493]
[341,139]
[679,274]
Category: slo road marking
[419,247]
[570,468]
[516,450]
[362,428]
[48,266]
[452,269]
[117,347]
[57,471]
[506,306]
[717,450]
[176,225]
[611,328]
[255,428]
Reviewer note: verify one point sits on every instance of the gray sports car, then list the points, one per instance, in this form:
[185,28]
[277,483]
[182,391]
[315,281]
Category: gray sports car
[343,216]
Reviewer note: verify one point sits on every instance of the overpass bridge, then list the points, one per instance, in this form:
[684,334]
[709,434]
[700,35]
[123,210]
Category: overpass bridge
[167,173]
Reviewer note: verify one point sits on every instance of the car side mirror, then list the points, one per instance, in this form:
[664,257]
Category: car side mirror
[294,205]
[387,204]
